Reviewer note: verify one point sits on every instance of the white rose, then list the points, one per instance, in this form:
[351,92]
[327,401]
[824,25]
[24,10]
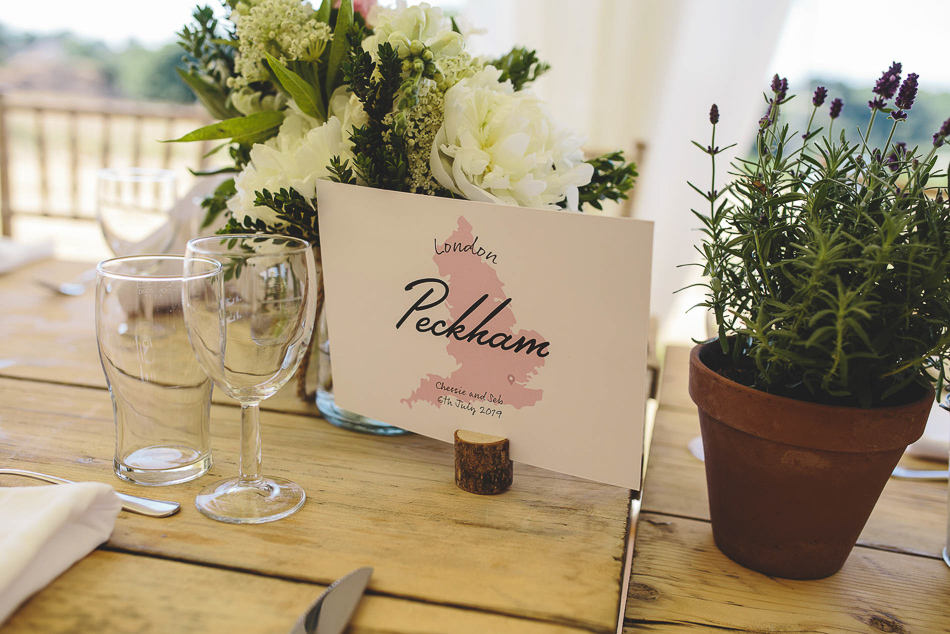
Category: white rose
[404,24]
[501,146]
[288,161]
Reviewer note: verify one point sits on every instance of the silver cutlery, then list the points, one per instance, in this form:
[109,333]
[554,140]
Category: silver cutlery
[919,474]
[333,609]
[131,503]
[72,289]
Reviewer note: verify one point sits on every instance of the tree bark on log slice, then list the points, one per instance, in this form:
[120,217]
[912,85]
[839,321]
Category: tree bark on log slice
[482,464]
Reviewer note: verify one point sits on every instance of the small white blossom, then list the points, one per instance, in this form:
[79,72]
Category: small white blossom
[287,29]
[498,145]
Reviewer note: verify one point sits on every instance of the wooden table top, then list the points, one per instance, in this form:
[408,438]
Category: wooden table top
[546,556]
[894,581]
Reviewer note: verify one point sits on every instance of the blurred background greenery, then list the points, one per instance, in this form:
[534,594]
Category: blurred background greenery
[64,62]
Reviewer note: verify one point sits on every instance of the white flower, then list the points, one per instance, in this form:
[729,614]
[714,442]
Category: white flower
[296,158]
[402,25]
[287,29]
[498,145]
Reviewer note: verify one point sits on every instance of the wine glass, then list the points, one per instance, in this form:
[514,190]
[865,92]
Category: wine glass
[249,329]
[132,207]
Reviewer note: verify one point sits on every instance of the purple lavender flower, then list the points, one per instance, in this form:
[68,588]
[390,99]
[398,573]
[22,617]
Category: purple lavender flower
[779,87]
[907,93]
[898,115]
[765,122]
[836,106]
[942,133]
[887,85]
[893,159]
[820,93]
[877,104]
[714,114]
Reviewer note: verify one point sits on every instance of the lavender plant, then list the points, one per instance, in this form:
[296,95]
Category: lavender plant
[827,261]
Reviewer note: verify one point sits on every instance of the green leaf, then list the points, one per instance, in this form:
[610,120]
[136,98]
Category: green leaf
[340,45]
[307,96]
[208,94]
[323,14]
[220,170]
[236,127]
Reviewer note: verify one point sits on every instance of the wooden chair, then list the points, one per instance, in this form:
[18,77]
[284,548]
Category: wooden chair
[52,145]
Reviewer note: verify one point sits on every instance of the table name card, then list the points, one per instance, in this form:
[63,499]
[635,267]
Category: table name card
[527,324]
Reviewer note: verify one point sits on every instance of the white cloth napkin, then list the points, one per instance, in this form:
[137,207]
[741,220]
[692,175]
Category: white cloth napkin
[935,443]
[16,255]
[46,529]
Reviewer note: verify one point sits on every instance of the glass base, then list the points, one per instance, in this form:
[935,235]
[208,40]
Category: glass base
[162,465]
[237,501]
[346,419]
[946,556]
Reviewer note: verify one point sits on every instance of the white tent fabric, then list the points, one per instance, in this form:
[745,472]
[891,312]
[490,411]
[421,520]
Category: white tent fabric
[643,70]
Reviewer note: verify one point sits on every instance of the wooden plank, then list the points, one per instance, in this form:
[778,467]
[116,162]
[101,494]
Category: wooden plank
[681,581]
[6,211]
[550,548]
[167,147]
[674,379]
[106,148]
[74,165]
[910,516]
[119,592]
[40,131]
[94,105]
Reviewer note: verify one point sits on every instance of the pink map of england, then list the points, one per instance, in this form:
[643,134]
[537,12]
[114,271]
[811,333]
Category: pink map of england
[500,376]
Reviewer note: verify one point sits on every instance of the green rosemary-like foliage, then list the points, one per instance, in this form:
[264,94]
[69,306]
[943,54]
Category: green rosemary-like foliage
[295,214]
[521,66]
[613,178]
[381,153]
[828,265]
[209,55]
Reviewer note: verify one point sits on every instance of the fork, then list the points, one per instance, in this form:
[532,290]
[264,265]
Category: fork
[73,289]
[131,503]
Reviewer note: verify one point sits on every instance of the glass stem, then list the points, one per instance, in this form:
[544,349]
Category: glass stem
[250,443]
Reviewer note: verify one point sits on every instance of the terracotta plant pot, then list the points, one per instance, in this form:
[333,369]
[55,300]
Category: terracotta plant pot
[791,484]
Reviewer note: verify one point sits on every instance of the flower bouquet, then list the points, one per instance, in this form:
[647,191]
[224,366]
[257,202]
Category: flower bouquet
[384,98]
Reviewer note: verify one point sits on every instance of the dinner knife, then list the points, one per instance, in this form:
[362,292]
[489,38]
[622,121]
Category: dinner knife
[333,609]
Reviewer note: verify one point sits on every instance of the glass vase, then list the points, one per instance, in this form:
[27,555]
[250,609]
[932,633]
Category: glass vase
[335,415]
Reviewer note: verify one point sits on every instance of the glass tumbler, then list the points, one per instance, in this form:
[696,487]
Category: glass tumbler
[161,396]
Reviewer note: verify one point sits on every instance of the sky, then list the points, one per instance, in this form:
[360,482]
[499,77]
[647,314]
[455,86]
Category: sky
[150,22]
[851,40]
[856,40]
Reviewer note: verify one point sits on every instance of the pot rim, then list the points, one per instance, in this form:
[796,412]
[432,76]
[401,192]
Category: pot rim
[803,423]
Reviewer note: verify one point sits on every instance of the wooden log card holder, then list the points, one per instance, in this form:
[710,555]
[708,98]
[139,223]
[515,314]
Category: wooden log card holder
[482,464]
